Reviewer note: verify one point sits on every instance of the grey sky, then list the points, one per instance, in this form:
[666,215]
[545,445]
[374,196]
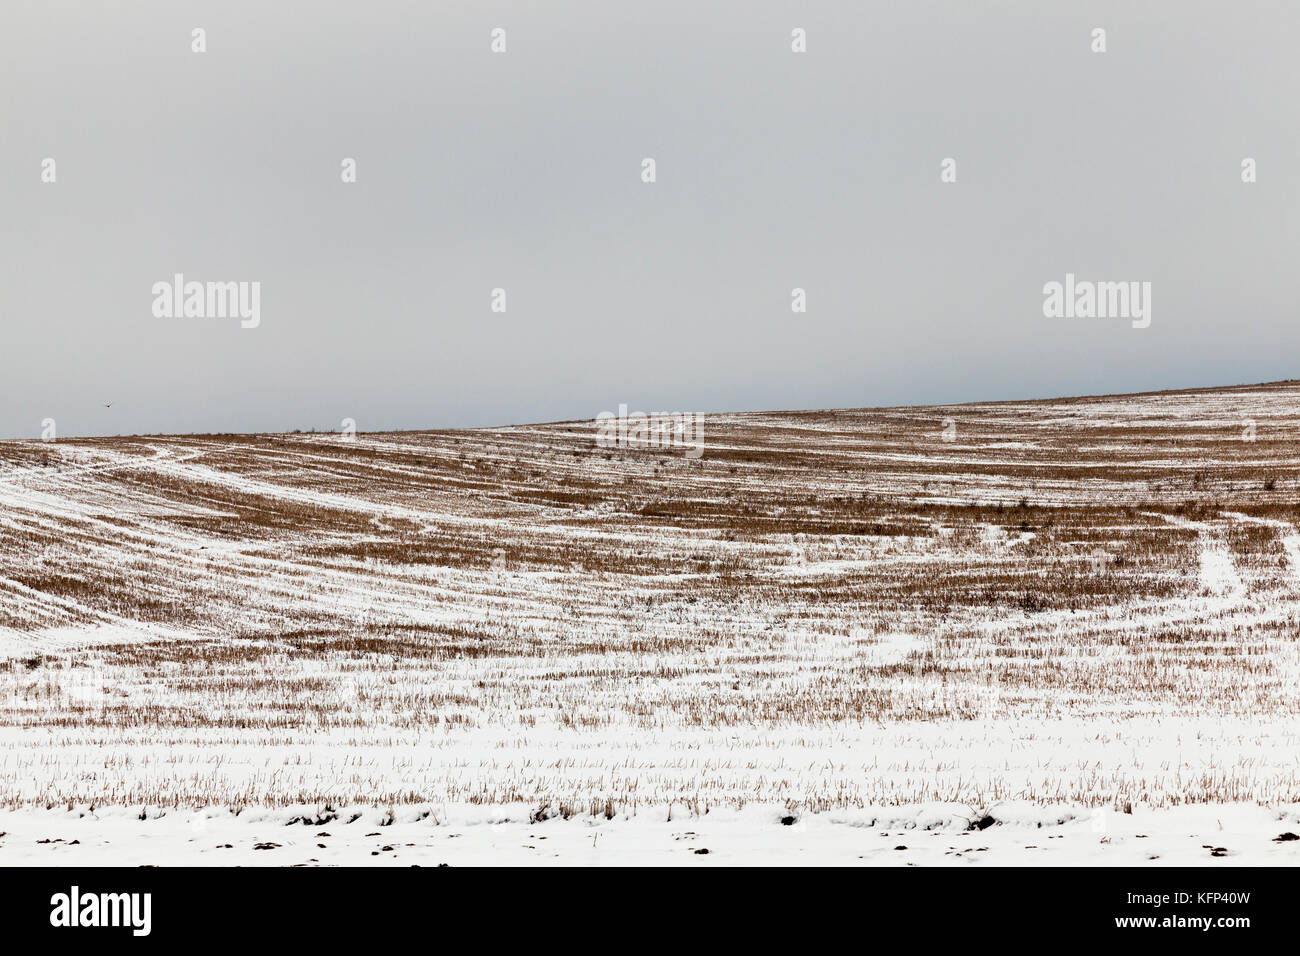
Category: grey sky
[522,171]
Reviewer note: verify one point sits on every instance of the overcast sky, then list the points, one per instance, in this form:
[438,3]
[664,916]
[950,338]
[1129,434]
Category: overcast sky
[522,171]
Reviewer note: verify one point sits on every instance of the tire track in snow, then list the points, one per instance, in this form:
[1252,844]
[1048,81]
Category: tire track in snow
[1218,573]
[1287,535]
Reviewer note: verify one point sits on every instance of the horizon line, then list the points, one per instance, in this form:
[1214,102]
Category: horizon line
[771,411]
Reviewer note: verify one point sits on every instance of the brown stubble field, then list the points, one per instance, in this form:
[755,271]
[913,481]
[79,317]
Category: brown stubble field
[1092,601]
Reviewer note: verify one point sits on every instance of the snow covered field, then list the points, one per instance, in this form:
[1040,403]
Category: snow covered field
[423,835]
[1087,609]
